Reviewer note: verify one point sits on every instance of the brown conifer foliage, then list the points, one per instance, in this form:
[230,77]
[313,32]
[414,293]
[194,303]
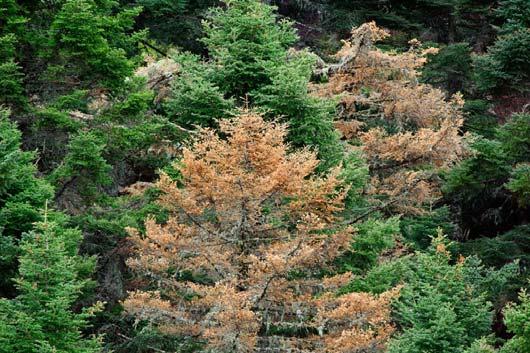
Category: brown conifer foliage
[378,89]
[240,261]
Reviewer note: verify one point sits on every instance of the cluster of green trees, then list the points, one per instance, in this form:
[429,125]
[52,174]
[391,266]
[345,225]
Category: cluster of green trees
[78,125]
[250,61]
[43,275]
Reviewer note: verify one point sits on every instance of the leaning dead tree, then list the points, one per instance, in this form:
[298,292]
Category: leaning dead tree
[409,131]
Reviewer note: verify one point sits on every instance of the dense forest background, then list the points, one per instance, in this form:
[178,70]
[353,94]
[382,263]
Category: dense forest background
[368,163]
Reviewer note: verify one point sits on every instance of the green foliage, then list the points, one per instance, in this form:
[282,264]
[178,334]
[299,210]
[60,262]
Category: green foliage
[356,175]
[478,119]
[83,138]
[510,247]
[472,177]
[450,69]
[83,165]
[75,100]
[53,127]
[126,125]
[11,89]
[164,7]
[183,30]
[493,159]
[515,12]
[443,21]
[244,39]
[51,277]
[87,42]
[21,195]
[11,19]
[420,230]
[517,319]
[7,47]
[442,331]
[146,339]
[310,118]
[132,132]
[52,118]
[502,249]
[250,62]
[443,307]
[480,346]
[67,74]
[515,138]
[112,216]
[380,278]
[507,62]
[373,237]
[195,99]
[480,185]
[519,184]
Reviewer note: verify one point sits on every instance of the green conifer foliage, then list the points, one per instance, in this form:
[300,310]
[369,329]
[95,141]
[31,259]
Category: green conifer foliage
[444,21]
[502,249]
[517,319]
[251,63]
[481,346]
[11,89]
[10,16]
[243,39]
[51,277]
[443,307]
[373,237]
[310,118]
[418,230]
[515,138]
[183,30]
[495,173]
[87,44]
[507,63]
[83,166]
[21,196]
[196,100]
[519,183]
[478,118]
[515,12]
[450,69]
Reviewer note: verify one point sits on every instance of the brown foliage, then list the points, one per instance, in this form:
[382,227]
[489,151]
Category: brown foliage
[382,88]
[252,228]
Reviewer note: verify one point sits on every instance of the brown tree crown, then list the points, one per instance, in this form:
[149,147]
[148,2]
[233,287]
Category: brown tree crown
[240,262]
